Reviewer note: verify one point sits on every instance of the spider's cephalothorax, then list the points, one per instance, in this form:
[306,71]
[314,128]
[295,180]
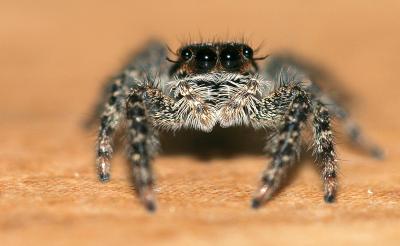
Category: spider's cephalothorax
[219,84]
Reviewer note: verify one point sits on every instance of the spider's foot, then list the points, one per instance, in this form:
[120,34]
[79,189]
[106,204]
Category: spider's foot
[262,196]
[104,177]
[103,168]
[255,203]
[330,189]
[377,153]
[148,199]
[329,198]
[151,206]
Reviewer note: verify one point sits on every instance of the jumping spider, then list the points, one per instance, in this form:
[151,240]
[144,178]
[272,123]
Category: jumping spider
[219,83]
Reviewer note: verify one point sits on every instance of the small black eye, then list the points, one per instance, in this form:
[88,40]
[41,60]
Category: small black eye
[205,59]
[247,52]
[186,54]
[230,58]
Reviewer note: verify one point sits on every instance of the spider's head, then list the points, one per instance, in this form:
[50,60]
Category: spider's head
[215,57]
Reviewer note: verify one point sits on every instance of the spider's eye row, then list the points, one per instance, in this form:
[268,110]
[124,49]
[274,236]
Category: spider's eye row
[203,58]
[186,54]
[206,59]
[247,52]
[230,58]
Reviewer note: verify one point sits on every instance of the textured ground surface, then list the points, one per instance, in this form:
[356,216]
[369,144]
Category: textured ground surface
[55,55]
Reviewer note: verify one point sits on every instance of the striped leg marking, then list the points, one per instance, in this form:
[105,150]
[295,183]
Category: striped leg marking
[285,151]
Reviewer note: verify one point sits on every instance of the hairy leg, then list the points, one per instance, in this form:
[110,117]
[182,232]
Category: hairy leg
[98,109]
[357,136]
[286,147]
[324,150]
[110,119]
[150,61]
[142,147]
[111,108]
[281,63]
[149,108]
[351,128]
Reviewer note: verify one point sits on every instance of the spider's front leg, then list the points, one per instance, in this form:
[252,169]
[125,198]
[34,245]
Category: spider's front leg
[147,107]
[324,150]
[141,146]
[287,144]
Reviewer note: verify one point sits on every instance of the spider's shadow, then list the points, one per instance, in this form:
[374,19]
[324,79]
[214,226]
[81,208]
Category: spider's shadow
[221,142]
[226,143]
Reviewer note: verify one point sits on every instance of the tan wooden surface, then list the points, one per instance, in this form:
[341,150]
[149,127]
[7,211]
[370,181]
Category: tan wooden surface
[54,56]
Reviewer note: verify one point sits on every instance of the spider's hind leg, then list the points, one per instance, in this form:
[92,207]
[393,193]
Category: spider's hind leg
[315,74]
[110,120]
[351,128]
[99,107]
[357,136]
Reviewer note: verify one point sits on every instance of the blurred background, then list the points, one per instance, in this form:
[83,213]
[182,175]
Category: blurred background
[54,58]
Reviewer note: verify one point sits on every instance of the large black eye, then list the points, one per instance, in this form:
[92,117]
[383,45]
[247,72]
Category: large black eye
[247,52]
[186,54]
[230,58]
[205,59]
